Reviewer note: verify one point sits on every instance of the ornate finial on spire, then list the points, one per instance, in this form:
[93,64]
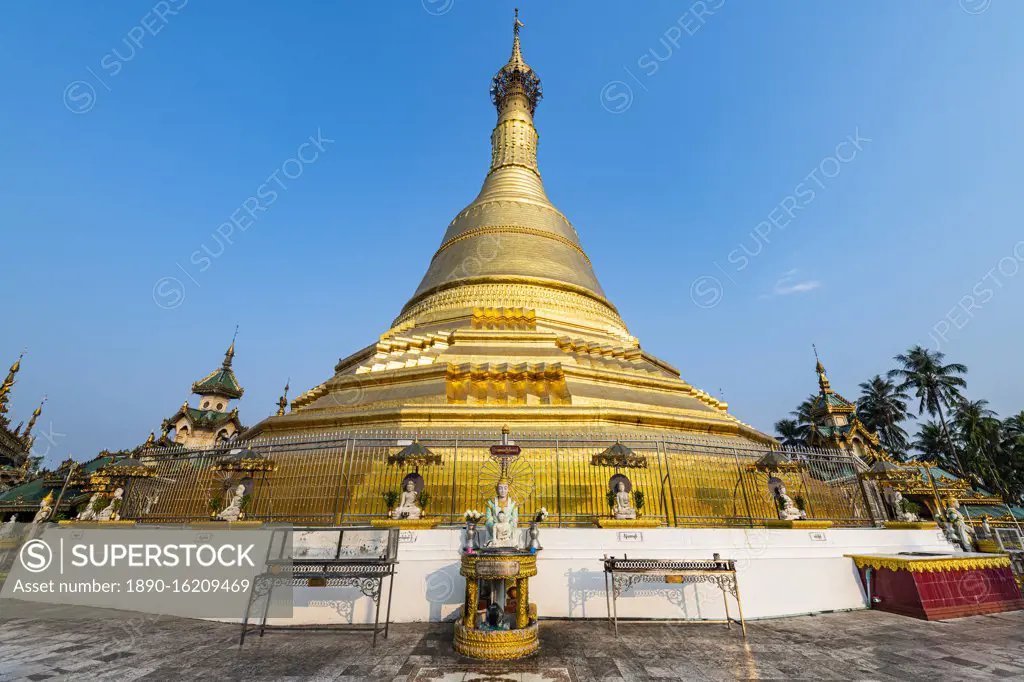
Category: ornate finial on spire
[230,354]
[17,364]
[517,55]
[820,369]
[8,384]
[26,437]
[282,403]
[516,77]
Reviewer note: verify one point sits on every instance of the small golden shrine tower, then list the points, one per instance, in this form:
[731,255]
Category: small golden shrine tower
[834,422]
[212,420]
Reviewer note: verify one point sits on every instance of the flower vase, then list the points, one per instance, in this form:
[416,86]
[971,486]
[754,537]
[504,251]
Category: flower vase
[534,536]
[470,537]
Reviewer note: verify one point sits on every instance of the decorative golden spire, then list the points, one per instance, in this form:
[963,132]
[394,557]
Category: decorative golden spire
[517,55]
[5,388]
[516,78]
[230,354]
[26,437]
[282,402]
[820,369]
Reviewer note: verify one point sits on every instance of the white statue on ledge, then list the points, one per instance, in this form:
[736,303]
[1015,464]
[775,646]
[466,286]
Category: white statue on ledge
[109,513]
[902,514]
[88,513]
[503,532]
[958,525]
[8,529]
[623,507]
[233,511]
[408,505]
[788,511]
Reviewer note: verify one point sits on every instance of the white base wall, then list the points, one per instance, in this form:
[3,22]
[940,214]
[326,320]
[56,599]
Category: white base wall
[780,572]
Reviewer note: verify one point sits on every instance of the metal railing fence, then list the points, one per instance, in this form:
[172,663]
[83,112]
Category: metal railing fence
[340,479]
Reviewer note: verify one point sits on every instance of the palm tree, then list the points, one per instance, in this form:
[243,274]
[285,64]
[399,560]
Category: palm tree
[882,406]
[789,432]
[1011,461]
[981,438]
[795,431]
[930,442]
[802,413]
[935,386]
[1013,429]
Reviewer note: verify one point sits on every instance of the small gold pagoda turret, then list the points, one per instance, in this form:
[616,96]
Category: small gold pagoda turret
[212,420]
[834,422]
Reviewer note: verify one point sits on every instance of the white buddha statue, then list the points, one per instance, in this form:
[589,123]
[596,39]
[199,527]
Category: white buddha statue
[408,504]
[233,511]
[109,513]
[88,514]
[501,503]
[788,511]
[503,532]
[623,505]
[8,530]
[897,505]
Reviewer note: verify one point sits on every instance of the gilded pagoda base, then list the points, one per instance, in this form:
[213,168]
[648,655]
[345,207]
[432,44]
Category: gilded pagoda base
[627,523]
[406,524]
[798,524]
[911,525]
[496,645]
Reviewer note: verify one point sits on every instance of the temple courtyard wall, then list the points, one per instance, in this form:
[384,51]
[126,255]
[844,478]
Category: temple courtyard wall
[780,573]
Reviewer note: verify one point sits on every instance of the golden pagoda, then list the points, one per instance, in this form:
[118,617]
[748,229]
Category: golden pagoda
[509,324]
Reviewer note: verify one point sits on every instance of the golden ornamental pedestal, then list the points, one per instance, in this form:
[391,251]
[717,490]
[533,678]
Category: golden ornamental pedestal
[798,523]
[498,622]
[642,522]
[911,525]
[407,524]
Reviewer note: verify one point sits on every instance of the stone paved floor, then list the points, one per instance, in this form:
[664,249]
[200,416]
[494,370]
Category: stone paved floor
[861,645]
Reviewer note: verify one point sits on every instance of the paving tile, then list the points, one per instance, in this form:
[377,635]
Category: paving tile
[861,645]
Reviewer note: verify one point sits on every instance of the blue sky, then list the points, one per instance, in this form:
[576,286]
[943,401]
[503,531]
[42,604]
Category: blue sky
[124,151]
